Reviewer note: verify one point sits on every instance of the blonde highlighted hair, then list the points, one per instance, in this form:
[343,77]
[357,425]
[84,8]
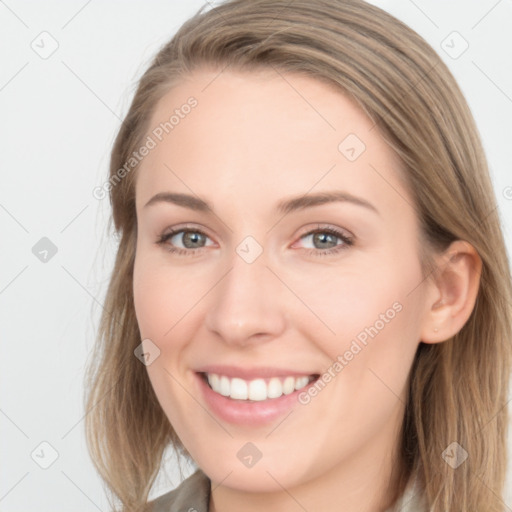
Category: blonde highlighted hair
[458,388]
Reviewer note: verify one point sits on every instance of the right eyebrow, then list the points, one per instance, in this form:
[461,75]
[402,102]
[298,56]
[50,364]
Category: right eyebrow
[185,200]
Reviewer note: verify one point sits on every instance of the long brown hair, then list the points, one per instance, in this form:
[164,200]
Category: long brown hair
[458,388]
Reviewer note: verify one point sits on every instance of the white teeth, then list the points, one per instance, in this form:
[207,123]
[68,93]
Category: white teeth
[214,381]
[223,387]
[301,382]
[289,385]
[257,389]
[274,388]
[238,389]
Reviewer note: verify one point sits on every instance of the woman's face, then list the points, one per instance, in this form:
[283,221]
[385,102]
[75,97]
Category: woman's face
[294,256]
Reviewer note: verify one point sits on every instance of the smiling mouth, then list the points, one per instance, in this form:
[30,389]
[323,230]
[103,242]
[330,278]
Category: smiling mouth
[256,390]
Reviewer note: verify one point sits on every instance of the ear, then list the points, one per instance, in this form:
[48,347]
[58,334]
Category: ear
[452,292]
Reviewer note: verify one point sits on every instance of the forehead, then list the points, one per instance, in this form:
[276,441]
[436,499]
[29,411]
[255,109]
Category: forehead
[262,135]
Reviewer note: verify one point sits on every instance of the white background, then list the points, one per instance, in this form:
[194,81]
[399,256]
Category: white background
[59,117]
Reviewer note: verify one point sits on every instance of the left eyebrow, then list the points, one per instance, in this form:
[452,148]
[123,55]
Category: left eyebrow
[319,198]
[285,206]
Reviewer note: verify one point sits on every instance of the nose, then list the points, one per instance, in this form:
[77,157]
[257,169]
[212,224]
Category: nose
[247,304]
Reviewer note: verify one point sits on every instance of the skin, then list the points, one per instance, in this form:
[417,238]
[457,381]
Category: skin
[251,142]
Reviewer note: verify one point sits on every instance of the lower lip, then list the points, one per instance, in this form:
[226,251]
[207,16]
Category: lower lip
[243,412]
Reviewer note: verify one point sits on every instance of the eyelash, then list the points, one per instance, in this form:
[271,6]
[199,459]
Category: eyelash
[347,242]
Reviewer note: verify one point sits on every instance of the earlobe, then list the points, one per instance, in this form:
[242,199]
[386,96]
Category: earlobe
[452,292]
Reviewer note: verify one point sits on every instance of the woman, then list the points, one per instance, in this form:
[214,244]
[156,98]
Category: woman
[311,295]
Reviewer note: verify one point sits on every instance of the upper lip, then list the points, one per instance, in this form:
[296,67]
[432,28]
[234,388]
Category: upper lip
[252,373]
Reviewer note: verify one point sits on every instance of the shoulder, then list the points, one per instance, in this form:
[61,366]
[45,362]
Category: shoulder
[192,495]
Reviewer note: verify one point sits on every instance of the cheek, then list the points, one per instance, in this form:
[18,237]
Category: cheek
[153,307]
[374,319]
[346,302]
[161,307]
[377,332]
[163,296]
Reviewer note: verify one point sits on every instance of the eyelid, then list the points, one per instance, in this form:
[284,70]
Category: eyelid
[186,227]
[321,227]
